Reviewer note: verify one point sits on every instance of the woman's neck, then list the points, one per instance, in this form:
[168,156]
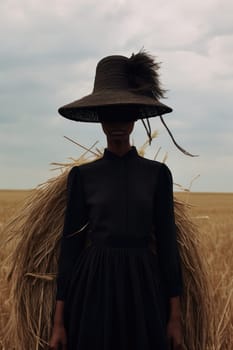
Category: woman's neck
[119,147]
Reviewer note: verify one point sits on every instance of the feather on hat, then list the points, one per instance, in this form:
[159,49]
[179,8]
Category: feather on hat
[143,75]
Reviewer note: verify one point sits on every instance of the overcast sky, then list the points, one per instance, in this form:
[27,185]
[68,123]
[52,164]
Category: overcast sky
[48,54]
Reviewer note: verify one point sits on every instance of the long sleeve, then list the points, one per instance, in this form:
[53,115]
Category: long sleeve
[76,216]
[165,231]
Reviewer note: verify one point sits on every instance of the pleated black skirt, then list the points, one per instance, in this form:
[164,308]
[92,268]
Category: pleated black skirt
[116,299]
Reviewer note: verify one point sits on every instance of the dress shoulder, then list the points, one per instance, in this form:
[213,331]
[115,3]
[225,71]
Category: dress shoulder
[165,173]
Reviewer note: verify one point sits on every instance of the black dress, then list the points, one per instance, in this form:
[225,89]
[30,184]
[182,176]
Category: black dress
[116,289]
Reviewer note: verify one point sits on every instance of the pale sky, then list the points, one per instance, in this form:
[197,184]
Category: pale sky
[48,54]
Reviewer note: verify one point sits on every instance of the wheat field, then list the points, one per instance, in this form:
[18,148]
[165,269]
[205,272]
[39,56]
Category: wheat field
[214,214]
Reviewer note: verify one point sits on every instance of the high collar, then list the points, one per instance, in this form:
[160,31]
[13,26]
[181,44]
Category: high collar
[111,155]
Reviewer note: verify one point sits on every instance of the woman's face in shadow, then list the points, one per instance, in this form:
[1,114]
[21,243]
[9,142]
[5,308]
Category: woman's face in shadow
[118,121]
[117,130]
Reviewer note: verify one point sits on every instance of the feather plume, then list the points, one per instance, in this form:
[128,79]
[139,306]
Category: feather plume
[143,75]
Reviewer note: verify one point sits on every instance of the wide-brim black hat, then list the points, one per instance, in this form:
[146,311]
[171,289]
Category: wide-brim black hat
[120,80]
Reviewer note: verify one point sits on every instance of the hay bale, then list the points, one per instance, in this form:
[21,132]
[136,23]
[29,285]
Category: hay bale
[31,270]
[197,302]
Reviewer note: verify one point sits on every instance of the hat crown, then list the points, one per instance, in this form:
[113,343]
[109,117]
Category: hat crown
[112,74]
[119,81]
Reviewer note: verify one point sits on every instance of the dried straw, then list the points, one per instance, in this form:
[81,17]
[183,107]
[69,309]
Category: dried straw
[31,267]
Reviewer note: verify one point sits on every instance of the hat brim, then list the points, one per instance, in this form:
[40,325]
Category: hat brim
[85,109]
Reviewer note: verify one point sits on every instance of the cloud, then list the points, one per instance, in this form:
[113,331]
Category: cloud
[49,58]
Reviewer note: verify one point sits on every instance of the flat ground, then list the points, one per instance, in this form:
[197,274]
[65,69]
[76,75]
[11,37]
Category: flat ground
[213,212]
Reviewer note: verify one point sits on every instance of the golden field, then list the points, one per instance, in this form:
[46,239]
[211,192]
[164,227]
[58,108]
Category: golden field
[214,214]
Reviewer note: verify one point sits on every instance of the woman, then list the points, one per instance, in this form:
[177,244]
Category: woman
[116,293]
